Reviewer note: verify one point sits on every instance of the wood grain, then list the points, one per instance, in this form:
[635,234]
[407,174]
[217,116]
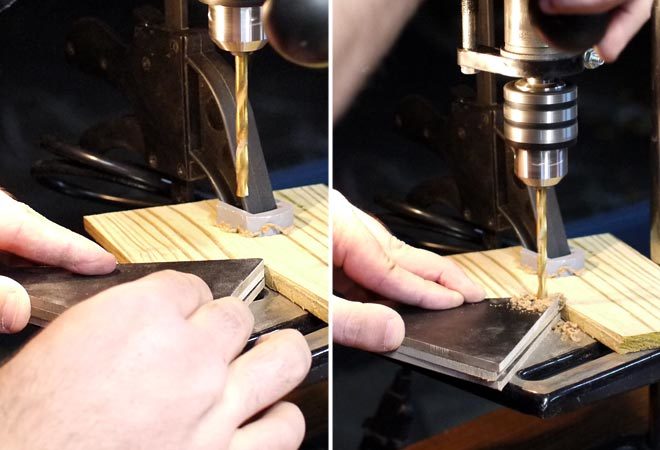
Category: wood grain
[297,264]
[616,299]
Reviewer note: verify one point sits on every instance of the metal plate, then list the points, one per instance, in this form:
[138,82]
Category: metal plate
[53,290]
[481,340]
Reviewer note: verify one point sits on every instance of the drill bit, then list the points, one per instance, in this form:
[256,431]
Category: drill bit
[541,240]
[242,124]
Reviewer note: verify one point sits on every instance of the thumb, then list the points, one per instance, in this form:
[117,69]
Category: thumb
[367,326]
[14,306]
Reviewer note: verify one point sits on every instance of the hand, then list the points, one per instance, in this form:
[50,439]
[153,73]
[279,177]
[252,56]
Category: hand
[27,234]
[153,364]
[366,254]
[628,16]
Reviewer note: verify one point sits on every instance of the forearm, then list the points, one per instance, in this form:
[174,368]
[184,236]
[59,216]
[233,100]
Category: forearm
[363,31]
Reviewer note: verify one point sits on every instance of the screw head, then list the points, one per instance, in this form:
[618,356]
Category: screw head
[146,64]
[174,46]
[467,214]
[180,170]
[461,133]
[153,161]
[592,59]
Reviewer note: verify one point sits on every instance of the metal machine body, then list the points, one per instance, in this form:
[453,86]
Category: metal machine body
[184,114]
[655,137]
[539,116]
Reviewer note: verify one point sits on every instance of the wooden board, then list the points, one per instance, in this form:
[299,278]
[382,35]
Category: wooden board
[616,299]
[297,264]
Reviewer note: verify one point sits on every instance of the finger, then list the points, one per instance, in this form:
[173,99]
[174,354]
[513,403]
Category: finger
[346,288]
[367,326]
[14,306]
[227,323]
[166,289]
[625,23]
[282,427]
[30,235]
[579,6]
[427,265]
[262,376]
[357,251]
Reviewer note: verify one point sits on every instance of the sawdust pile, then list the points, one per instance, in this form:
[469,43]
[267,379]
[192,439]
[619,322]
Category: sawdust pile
[531,303]
[262,232]
[569,331]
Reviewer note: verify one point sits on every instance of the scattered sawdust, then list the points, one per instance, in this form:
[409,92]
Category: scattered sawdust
[569,331]
[531,303]
[262,232]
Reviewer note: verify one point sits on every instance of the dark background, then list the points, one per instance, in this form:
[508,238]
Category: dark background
[607,188]
[41,94]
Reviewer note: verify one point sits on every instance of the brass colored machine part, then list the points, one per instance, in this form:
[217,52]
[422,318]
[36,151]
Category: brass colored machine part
[541,240]
[242,159]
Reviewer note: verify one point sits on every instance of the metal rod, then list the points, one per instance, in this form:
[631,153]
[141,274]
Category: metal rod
[655,137]
[176,14]
[654,416]
[469,24]
[486,83]
[242,125]
[541,239]
[469,29]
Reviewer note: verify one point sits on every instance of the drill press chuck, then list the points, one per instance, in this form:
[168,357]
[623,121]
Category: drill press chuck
[540,124]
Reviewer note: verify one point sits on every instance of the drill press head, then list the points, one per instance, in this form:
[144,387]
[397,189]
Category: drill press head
[237,26]
[540,113]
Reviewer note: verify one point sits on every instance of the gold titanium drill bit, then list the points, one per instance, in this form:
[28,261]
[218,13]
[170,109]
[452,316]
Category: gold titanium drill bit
[541,239]
[242,162]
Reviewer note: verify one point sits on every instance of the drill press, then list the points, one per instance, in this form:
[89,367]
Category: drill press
[237,26]
[539,114]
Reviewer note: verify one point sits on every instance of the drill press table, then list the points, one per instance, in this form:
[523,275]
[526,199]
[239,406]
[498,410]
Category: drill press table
[561,375]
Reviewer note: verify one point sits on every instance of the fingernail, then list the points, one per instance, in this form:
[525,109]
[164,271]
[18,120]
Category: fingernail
[394,333]
[9,307]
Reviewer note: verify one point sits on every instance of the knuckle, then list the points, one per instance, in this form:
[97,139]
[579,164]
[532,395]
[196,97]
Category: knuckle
[395,245]
[300,355]
[351,329]
[233,314]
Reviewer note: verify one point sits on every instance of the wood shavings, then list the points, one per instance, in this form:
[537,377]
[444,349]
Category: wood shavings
[569,331]
[265,230]
[531,303]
